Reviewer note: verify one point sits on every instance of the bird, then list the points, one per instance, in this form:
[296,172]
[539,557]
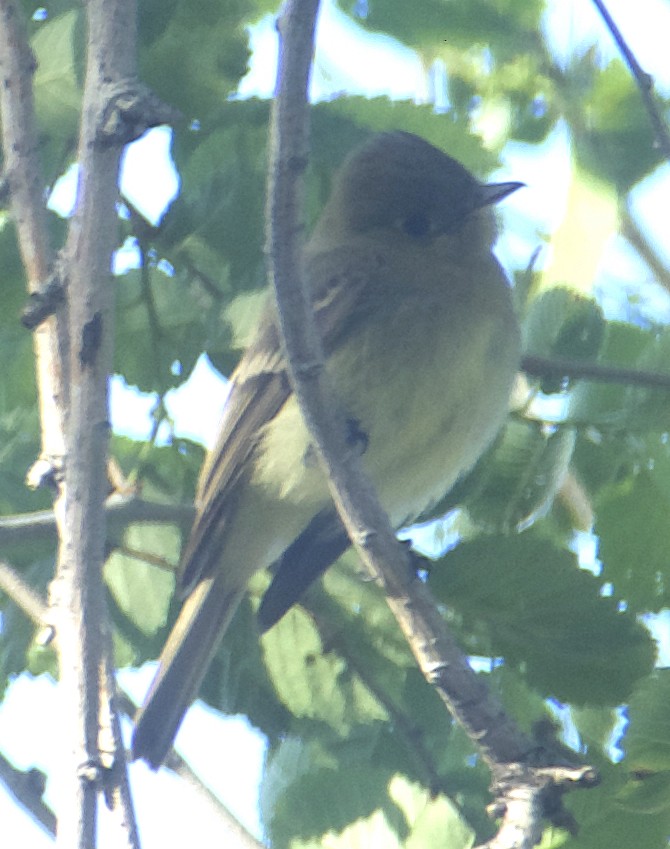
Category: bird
[422,344]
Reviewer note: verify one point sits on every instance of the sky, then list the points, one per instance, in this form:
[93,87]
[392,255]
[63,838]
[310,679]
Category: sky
[375,65]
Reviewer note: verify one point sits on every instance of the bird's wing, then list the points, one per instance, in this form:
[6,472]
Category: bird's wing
[259,389]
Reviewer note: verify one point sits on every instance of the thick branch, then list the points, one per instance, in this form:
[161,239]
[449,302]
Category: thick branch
[437,654]
[525,796]
[111,60]
[439,658]
[23,172]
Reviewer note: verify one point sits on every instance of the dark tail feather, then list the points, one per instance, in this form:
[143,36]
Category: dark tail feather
[305,560]
[196,635]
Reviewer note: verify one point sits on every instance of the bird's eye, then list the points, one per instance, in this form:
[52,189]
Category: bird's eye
[416,225]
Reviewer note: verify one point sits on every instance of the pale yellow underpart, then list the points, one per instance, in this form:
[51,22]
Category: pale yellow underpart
[429,406]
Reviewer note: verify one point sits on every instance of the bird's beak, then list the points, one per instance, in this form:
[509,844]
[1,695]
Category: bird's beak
[489,193]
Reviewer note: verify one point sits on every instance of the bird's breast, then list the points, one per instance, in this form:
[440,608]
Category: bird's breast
[426,378]
[429,385]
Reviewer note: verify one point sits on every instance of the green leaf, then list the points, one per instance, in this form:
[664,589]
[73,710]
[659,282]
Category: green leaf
[636,562]
[57,80]
[342,123]
[348,821]
[647,742]
[545,615]
[604,823]
[597,727]
[517,480]
[563,323]
[366,806]
[162,319]
[617,143]
[312,683]
[212,31]
[433,22]
[433,821]
[619,405]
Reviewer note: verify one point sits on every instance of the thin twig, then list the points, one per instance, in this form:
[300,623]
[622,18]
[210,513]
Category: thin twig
[118,700]
[121,511]
[233,829]
[22,594]
[644,81]
[559,367]
[27,788]
[233,833]
[639,240]
[117,786]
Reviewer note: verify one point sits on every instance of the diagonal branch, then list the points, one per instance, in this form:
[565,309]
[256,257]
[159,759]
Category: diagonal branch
[437,654]
[27,788]
[501,742]
[644,81]
[22,594]
[640,241]
[232,829]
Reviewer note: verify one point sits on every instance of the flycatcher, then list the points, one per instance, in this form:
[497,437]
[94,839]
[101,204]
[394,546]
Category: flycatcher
[422,344]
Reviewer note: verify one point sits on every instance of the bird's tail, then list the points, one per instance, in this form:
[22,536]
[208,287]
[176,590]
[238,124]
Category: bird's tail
[194,639]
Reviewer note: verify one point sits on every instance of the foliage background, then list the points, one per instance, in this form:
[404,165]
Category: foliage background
[360,751]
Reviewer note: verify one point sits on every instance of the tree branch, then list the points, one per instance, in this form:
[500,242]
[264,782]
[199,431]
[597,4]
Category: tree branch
[232,828]
[27,788]
[22,594]
[368,527]
[79,593]
[117,786]
[120,510]
[437,654]
[233,832]
[639,240]
[23,172]
[560,367]
[526,795]
[644,81]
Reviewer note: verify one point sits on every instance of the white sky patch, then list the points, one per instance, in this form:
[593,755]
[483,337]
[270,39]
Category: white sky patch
[197,405]
[149,179]
[347,59]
